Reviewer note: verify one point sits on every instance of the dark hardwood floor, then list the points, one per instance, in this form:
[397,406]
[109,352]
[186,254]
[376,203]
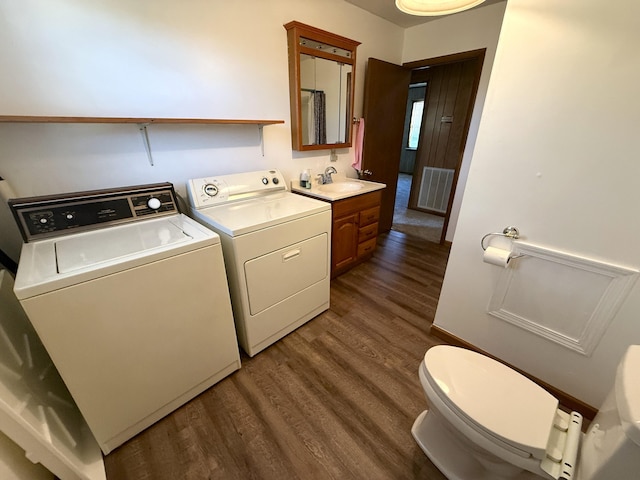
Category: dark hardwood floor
[333,400]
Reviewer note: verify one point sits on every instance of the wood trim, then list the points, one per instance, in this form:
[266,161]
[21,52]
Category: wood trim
[323,146]
[565,399]
[60,119]
[295,31]
[444,59]
[314,33]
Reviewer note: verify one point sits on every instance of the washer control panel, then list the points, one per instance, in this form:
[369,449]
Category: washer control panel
[49,216]
[209,191]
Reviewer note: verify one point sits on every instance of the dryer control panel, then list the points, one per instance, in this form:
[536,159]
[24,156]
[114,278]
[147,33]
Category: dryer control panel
[209,191]
[49,216]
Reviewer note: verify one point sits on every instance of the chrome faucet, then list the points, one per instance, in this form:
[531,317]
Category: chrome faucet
[326,176]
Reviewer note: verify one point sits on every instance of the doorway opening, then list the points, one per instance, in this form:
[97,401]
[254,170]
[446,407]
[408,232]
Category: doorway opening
[414,222]
[406,220]
[418,116]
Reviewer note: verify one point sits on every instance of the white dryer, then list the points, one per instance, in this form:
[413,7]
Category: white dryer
[130,299]
[276,248]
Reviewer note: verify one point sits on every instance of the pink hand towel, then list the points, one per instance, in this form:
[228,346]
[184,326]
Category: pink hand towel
[358,144]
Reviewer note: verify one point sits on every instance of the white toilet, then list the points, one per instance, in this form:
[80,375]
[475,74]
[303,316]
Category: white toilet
[488,422]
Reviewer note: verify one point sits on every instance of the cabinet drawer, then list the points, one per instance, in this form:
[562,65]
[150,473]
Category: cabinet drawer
[367,247]
[369,216]
[368,232]
[356,204]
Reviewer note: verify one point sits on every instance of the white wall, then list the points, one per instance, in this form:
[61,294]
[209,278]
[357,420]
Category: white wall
[470,30]
[557,156]
[158,58]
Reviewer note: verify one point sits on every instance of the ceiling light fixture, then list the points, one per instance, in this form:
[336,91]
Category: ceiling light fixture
[429,8]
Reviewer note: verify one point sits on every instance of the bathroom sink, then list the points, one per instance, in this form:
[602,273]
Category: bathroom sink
[341,187]
[338,190]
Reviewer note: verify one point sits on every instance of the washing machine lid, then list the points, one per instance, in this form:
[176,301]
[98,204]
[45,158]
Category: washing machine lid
[82,251]
[628,393]
[53,263]
[246,216]
[496,399]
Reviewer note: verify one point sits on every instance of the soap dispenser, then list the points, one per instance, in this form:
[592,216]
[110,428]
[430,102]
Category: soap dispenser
[305,179]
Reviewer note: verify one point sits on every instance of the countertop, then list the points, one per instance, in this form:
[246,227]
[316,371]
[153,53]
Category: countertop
[338,190]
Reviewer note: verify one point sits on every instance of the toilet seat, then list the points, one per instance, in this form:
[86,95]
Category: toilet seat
[503,405]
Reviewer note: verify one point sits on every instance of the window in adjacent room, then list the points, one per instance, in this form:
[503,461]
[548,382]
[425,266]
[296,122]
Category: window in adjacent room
[415,123]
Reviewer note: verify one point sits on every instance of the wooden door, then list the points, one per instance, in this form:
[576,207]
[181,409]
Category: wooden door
[447,114]
[385,99]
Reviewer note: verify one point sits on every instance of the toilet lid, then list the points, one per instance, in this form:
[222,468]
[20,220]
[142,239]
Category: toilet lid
[497,399]
[628,393]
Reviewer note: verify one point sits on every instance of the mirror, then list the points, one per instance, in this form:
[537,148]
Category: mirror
[321,85]
[324,90]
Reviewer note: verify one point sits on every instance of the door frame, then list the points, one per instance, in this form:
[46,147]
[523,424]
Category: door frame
[477,55]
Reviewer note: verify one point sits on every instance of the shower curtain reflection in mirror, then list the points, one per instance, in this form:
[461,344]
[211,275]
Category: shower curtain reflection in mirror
[314,115]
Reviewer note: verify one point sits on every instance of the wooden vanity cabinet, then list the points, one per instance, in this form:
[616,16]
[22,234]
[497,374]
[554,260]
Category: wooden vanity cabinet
[354,230]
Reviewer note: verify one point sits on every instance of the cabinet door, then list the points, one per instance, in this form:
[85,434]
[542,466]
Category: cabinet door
[345,240]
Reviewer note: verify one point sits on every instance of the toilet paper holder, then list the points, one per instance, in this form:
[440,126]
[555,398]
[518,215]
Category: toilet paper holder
[509,232]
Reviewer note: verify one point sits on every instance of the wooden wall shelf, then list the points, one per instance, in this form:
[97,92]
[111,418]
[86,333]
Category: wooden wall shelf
[141,122]
[204,121]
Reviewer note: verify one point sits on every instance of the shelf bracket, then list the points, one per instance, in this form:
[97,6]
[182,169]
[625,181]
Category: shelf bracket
[261,134]
[145,139]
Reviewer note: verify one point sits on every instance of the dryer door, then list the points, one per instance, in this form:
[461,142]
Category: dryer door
[276,276]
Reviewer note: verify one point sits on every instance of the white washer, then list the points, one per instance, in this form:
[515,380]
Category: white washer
[135,315]
[36,410]
[276,247]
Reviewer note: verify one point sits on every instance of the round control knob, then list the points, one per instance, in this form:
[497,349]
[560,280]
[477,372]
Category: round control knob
[275,180]
[43,220]
[265,180]
[153,203]
[210,189]
[69,216]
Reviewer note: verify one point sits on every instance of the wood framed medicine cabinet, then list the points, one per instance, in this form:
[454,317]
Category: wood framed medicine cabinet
[322,71]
